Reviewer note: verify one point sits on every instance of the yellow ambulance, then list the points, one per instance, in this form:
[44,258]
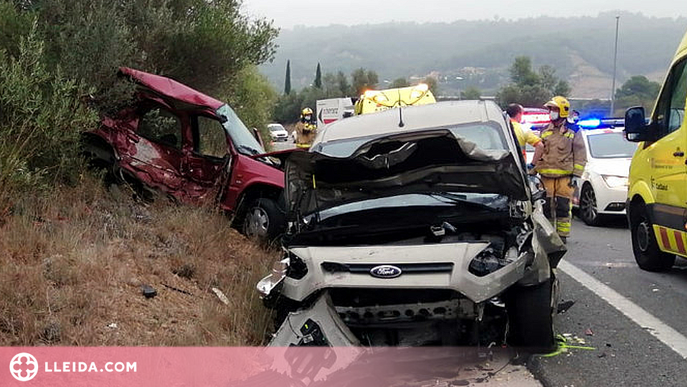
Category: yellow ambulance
[378,100]
[657,195]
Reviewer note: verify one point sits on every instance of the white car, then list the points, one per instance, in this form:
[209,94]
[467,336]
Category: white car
[603,190]
[277,132]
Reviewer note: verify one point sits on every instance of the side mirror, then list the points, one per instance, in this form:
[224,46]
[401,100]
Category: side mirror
[636,129]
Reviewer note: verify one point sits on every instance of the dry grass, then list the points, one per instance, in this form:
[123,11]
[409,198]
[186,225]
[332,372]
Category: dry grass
[72,264]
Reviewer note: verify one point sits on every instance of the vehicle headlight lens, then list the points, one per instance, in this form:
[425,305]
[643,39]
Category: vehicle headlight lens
[615,181]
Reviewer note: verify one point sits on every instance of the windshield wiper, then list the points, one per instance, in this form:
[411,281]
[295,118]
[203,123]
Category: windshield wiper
[451,197]
[458,199]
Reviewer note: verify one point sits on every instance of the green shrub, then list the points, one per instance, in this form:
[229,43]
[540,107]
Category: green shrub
[41,117]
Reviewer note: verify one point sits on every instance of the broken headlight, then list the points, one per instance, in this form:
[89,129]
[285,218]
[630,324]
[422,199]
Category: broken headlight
[269,283]
[297,267]
[488,261]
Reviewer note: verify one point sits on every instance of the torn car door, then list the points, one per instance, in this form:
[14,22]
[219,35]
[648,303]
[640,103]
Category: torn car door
[207,164]
[153,150]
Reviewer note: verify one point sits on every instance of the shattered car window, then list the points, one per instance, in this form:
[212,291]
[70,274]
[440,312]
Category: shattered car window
[240,135]
[211,138]
[161,126]
[486,136]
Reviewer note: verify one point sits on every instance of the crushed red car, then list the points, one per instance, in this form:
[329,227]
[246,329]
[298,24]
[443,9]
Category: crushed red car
[193,148]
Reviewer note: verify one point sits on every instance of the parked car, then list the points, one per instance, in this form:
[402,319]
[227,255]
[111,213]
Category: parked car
[603,188]
[418,228]
[192,147]
[657,196]
[277,132]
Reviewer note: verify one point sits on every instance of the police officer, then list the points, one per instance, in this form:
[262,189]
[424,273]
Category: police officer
[561,164]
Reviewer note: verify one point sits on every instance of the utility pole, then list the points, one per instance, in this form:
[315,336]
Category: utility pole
[615,66]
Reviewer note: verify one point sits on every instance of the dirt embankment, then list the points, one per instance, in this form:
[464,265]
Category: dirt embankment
[73,263]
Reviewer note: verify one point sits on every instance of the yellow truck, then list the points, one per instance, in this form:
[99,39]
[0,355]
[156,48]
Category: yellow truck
[378,100]
[657,194]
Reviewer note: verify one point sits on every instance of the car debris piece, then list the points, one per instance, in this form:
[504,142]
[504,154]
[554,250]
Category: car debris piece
[589,332]
[221,296]
[564,306]
[431,234]
[177,290]
[148,291]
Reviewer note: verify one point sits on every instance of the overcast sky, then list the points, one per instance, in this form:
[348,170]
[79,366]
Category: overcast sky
[289,13]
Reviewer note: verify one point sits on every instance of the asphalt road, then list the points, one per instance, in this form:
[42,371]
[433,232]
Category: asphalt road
[283,145]
[623,313]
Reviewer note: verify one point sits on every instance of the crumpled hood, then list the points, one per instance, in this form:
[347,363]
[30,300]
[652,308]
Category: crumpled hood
[434,160]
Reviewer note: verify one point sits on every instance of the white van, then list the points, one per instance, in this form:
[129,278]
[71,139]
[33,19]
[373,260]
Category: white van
[333,109]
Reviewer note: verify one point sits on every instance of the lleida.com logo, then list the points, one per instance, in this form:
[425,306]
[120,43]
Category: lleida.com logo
[24,367]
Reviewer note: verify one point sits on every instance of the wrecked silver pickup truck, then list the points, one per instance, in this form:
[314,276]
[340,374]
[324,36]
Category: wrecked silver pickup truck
[415,226]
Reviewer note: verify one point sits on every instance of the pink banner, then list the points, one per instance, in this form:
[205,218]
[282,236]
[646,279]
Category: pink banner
[233,366]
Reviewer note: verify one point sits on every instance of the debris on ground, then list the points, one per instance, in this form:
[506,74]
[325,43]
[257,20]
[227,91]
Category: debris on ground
[221,296]
[148,291]
[177,289]
[563,306]
[568,341]
[112,325]
[589,332]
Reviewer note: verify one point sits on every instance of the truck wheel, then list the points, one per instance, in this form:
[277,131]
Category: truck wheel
[530,317]
[264,220]
[589,213]
[644,245]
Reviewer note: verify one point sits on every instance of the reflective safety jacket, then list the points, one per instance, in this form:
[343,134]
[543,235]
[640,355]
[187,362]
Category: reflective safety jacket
[524,135]
[564,152]
[305,134]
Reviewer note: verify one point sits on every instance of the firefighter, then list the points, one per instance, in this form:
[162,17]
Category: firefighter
[305,129]
[561,165]
[524,135]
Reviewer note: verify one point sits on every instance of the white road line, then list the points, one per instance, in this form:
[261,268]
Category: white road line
[669,336]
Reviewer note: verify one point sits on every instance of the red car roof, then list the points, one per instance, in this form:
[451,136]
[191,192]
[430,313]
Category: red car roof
[172,89]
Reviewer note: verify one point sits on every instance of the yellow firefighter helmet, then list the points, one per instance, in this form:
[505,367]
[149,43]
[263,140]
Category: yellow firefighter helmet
[562,104]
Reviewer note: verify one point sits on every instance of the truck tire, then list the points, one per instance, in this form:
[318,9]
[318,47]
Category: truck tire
[648,255]
[264,220]
[530,317]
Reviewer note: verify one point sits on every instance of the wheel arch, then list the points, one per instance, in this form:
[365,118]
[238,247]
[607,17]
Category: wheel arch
[98,148]
[255,191]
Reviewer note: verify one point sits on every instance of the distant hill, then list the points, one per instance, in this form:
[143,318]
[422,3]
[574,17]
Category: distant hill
[478,53]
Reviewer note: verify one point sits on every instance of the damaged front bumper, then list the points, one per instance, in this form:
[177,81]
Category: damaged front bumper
[319,325]
[438,266]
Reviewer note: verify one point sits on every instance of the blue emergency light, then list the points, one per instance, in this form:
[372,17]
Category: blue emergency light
[589,123]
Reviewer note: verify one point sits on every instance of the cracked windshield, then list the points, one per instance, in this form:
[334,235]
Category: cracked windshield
[321,193]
